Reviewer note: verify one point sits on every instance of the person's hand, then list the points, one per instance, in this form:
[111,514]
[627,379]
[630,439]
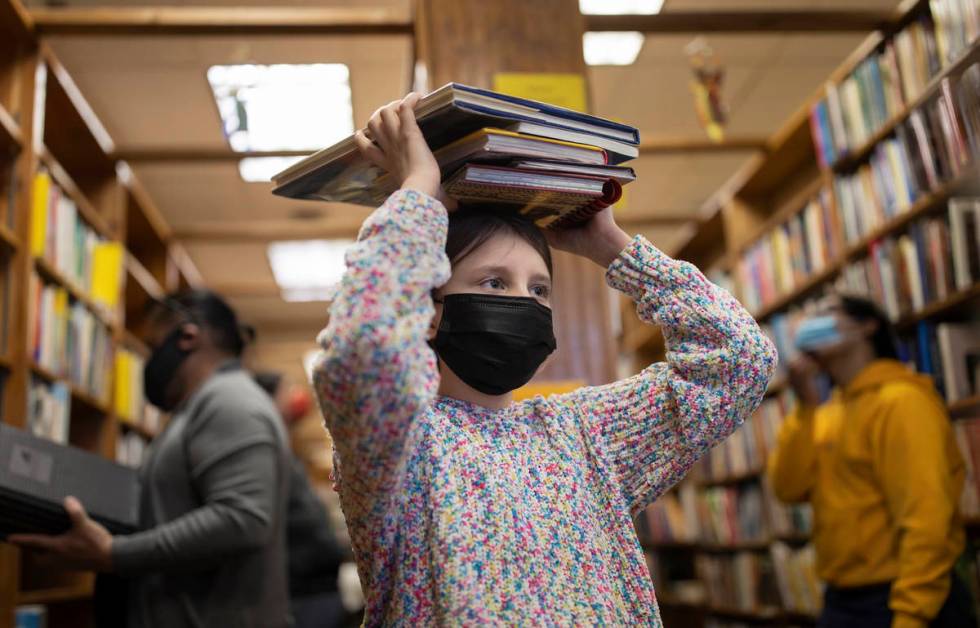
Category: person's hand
[85,546]
[394,143]
[803,373]
[600,239]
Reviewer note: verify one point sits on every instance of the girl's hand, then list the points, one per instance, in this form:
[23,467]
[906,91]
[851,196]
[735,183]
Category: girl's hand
[600,240]
[399,148]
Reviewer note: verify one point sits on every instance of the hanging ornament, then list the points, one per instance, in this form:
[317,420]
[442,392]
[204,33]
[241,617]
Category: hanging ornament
[708,74]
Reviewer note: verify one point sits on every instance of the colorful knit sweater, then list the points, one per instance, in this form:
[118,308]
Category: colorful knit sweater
[462,515]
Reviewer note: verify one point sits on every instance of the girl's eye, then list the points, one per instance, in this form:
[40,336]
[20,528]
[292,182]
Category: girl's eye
[494,283]
[541,292]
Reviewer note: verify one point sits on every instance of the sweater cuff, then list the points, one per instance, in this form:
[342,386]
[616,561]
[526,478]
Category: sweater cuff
[631,271]
[904,620]
[410,211]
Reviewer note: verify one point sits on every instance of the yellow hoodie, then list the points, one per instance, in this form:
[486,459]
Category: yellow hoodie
[879,463]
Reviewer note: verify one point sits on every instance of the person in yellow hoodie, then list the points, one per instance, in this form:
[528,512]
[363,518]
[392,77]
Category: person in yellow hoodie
[879,464]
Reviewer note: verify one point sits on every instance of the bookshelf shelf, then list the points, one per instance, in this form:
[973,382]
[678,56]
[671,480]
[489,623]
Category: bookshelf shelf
[855,157]
[5,362]
[52,274]
[777,386]
[939,308]
[137,428]
[964,406]
[738,546]
[657,546]
[764,614]
[8,238]
[85,208]
[736,478]
[133,342]
[69,593]
[143,277]
[9,129]
[87,399]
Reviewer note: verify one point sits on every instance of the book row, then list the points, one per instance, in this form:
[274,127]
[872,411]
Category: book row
[68,340]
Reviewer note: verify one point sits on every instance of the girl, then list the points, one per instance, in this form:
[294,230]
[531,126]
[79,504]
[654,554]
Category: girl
[465,508]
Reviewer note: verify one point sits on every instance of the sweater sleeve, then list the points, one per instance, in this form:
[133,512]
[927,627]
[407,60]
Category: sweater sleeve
[792,466]
[651,428]
[912,453]
[376,370]
[236,464]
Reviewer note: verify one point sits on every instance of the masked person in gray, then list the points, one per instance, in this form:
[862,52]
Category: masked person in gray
[212,548]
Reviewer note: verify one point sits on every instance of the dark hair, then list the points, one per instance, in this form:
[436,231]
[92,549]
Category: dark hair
[862,309]
[207,309]
[268,381]
[473,225]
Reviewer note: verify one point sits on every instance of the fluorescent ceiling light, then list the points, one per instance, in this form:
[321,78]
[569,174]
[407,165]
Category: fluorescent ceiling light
[620,7]
[261,169]
[612,48]
[283,107]
[308,270]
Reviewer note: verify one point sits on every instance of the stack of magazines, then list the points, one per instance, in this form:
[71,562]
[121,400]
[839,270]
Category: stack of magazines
[558,166]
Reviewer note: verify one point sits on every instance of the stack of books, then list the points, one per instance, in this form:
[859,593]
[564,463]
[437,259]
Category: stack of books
[558,166]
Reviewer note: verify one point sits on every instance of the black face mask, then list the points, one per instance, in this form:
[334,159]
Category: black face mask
[494,344]
[161,368]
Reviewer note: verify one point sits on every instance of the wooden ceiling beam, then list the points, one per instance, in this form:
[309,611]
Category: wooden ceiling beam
[218,232]
[189,20]
[768,21]
[271,20]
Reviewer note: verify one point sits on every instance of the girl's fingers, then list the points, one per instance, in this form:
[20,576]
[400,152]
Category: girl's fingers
[371,152]
[407,124]
[392,124]
[379,134]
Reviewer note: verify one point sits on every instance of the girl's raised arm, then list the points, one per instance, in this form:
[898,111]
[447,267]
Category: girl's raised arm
[376,370]
[649,429]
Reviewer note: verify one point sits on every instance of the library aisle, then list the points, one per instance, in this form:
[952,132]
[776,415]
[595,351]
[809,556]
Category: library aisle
[790,150]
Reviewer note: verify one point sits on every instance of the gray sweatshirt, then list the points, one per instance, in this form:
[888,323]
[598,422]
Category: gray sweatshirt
[212,552]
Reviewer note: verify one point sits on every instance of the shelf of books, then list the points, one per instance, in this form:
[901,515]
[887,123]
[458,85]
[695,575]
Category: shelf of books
[82,250]
[873,188]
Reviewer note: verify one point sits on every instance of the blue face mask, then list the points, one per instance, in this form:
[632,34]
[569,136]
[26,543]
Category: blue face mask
[817,332]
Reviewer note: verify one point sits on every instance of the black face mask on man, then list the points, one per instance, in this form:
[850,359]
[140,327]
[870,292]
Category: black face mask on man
[494,344]
[161,368]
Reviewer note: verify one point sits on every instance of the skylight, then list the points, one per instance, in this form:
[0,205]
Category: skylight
[281,107]
[612,48]
[261,169]
[620,7]
[308,270]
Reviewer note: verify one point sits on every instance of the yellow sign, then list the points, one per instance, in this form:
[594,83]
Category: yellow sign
[563,90]
[546,389]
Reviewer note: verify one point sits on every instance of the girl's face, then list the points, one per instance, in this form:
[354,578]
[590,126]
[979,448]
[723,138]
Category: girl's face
[504,265]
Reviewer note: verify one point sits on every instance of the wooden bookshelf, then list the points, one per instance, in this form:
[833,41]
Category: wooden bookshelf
[928,203]
[50,126]
[71,592]
[8,238]
[729,480]
[771,189]
[9,129]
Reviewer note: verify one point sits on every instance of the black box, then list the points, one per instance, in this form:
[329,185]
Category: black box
[37,474]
